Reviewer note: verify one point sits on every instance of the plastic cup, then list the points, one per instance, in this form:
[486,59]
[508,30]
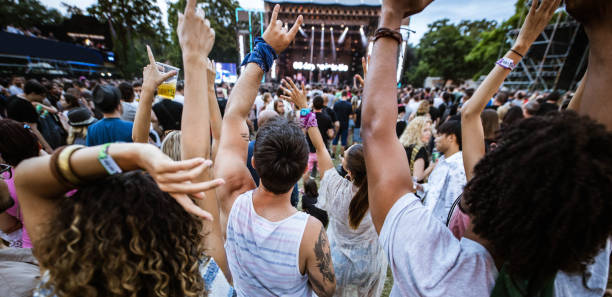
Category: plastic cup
[167,89]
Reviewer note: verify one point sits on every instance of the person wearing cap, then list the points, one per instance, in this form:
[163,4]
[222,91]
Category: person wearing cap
[79,119]
[111,128]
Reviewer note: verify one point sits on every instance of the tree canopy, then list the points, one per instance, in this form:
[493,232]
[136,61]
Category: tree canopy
[461,51]
[221,14]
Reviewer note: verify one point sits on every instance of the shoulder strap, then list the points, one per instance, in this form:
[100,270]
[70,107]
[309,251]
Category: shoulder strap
[415,150]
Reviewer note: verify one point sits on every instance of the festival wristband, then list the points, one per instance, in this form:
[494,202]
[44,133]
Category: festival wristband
[304,112]
[263,55]
[506,63]
[107,161]
[308,121]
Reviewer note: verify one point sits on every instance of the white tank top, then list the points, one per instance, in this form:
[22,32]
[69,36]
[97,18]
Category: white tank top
[263,256]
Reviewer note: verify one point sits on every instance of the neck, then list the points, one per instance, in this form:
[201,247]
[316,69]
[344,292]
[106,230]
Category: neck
[453,149]
[114,114]
[598,81]
[274,207]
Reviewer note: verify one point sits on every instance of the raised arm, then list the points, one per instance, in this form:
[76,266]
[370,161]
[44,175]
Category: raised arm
[298,97]
[233,147]
[196,39]
[388,168]
[213,107]
[152,78]
[471,125]
[39,191]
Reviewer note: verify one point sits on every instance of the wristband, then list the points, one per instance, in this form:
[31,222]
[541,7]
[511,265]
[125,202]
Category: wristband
[506,63]
[263,55]
[304,112]
[387,33]
[516,52]
[308,121]
[107,161]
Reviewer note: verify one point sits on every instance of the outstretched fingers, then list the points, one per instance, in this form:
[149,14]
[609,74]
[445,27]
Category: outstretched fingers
[174,166]
[274,14]
[150,53]
[190,188]
[296,27]
[190,8]
[192,208]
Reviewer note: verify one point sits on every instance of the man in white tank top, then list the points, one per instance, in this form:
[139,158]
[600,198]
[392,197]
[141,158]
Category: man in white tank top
[272,249]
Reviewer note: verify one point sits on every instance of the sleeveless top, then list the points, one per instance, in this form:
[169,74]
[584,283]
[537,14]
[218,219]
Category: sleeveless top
[263,256]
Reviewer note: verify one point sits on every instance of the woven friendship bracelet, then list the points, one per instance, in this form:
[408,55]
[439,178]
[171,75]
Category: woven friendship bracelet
[387,33]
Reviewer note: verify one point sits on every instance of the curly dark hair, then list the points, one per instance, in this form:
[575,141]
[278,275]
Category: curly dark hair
[122,236]
[542,197]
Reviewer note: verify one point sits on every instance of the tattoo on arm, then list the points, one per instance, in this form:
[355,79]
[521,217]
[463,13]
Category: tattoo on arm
[324,263]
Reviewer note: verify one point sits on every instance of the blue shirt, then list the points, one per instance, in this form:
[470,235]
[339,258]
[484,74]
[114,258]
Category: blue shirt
[109,130]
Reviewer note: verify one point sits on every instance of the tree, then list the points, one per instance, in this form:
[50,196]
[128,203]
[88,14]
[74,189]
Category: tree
[443,49]
[493,43]
[27,14]
[134,23]
[221,14]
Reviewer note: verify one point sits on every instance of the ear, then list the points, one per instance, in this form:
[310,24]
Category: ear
[252,160]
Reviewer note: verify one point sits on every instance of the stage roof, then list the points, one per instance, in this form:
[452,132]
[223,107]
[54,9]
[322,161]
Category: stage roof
[330,2]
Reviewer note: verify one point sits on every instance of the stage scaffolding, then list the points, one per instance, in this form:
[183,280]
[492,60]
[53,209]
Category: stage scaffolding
[556,60]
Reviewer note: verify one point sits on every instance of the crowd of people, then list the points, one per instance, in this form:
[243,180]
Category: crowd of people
[110,190]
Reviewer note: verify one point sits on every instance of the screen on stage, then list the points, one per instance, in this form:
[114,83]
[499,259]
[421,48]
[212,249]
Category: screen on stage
[226,72]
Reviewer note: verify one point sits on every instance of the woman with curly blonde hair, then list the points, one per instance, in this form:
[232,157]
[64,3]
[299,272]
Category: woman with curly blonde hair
[415,138]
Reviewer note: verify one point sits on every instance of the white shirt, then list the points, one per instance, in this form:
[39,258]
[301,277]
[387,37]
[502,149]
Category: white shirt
[360,263]
[179,98]
[259,103]
[427,260]
[413,105]
[437,102]
[445,184]
[15,90]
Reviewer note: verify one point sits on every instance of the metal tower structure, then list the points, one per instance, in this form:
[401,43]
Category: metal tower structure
[556,60]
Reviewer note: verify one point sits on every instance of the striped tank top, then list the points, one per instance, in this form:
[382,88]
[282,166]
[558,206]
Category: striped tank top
[263,256]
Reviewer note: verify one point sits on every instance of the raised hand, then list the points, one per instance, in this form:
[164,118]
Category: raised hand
[276,35]
[537,19]
[195,35]
[364,63]
[151,77]
[176,178]
[405,8]
[296,95]
[211,73]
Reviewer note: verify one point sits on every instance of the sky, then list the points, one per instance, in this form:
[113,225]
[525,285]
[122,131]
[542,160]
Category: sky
[455,10]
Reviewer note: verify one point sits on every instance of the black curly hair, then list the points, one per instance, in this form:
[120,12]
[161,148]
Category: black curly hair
[543,197]
[122,236]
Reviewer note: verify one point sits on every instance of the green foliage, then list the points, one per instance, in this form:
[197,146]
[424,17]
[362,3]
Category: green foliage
[221,14]
[462,51]
[442,50]
[27,14]
[135,23]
